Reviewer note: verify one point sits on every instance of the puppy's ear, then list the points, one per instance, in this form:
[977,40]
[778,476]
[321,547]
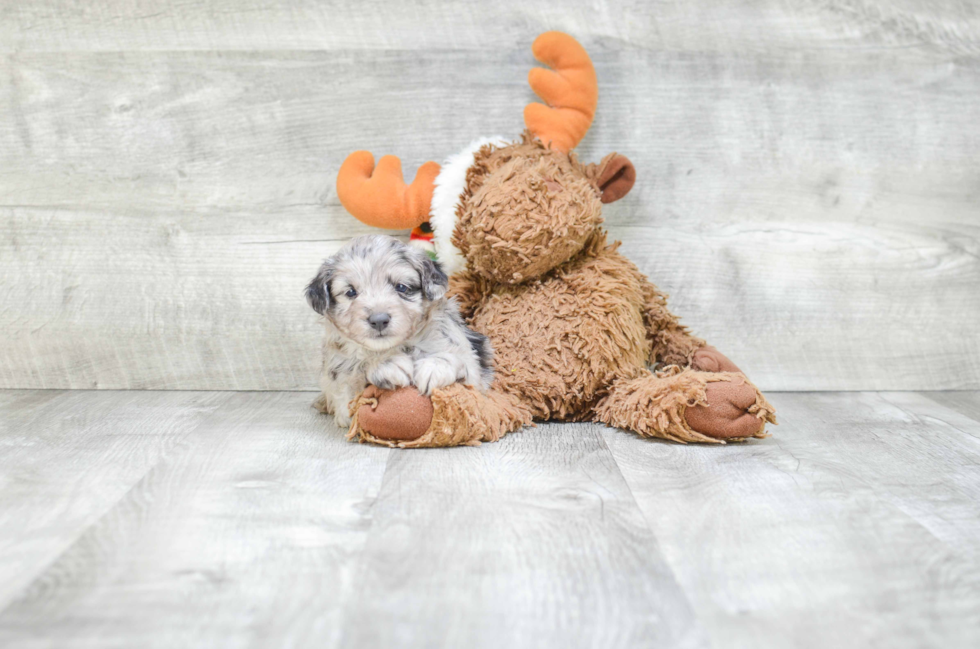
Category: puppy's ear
[318,290]
[434,280]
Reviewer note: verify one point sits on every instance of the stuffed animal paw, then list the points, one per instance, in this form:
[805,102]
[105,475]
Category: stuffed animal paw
[401,414]
[733,411]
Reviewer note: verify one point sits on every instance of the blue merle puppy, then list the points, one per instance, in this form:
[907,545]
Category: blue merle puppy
[389,323]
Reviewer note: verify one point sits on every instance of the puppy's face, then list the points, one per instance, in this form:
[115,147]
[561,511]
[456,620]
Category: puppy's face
[377,291]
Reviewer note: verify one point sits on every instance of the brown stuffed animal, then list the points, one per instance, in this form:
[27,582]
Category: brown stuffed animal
[573,323]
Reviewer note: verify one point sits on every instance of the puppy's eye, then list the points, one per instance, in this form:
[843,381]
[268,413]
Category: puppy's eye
[401,288]
[351,293]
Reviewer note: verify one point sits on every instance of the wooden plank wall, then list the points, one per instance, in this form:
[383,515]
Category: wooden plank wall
[809,181]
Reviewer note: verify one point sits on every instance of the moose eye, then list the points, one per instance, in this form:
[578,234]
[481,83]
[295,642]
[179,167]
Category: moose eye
[351,293]
[401,288]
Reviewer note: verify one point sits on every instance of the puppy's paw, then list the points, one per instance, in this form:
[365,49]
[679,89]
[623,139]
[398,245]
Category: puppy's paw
[321,404]
[432,374]
[342,418]
[395,372]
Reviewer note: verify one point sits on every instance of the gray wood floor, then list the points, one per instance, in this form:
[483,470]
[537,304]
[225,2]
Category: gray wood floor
[219,519]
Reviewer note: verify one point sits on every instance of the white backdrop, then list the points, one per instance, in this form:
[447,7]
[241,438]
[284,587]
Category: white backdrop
[808,174]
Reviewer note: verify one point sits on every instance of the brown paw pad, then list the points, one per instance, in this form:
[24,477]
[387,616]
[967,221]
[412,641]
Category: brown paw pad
[727,414]
[401,414]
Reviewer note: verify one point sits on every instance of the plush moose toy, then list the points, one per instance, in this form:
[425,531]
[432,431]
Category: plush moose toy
[573,323]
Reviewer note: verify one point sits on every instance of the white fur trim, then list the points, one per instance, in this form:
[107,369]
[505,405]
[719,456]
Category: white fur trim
[423,245]
[449,186]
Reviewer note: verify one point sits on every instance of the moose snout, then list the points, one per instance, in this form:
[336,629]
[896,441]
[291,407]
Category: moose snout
[379,321]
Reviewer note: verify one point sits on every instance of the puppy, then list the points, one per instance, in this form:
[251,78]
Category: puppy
[388,322]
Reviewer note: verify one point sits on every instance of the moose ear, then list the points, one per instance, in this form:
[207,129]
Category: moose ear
[614,177]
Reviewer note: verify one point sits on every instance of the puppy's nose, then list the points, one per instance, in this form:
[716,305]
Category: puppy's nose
[379,321]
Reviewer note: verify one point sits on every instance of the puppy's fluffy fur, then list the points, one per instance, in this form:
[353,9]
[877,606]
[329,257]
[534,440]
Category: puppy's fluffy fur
[424,343]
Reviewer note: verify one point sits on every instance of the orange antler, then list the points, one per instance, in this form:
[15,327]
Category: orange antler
[571,91]
[379,196]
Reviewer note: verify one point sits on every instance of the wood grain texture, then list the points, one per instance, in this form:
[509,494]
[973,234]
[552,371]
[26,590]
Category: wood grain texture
[165,302]
[141,25]
[246,537]
[70,457]
[966,403]
[854,526]
[534,541]
[161,519]
[808,185]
